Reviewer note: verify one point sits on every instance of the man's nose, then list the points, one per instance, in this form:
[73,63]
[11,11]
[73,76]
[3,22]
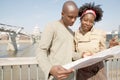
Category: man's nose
[73,19]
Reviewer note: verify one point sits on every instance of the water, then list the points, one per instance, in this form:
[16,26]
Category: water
[24,50]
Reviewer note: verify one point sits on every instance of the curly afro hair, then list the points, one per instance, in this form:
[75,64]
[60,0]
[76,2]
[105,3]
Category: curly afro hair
[91,6]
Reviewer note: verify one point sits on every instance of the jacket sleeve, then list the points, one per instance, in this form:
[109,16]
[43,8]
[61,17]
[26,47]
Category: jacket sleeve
[103,41]
[42,51]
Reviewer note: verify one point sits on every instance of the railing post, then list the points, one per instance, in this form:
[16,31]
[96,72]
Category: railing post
[28,72]
[37,75]
[2,73]
[20,71]
[11,73]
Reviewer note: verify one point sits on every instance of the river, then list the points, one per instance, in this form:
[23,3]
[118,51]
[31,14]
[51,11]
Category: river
[25,49]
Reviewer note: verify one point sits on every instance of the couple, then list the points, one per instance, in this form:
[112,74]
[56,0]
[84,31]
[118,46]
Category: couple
[58,44]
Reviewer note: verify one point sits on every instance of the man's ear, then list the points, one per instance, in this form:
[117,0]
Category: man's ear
[62,13]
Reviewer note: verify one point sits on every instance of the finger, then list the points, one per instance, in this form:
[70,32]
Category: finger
[63,76]
[65,72]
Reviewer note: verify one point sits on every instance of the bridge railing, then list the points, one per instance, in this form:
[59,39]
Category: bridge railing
[23,68]
[113,68]
[26,68]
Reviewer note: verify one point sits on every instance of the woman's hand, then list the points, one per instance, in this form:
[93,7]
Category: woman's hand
[113,41]
[86,54]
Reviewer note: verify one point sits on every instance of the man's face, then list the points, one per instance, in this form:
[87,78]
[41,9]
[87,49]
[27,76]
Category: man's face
[69,16]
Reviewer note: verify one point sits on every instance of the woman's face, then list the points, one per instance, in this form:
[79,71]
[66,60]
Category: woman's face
[87,22]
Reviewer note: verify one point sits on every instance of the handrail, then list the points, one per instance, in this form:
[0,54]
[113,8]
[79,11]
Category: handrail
[17,61]
[27,60]
[113,58]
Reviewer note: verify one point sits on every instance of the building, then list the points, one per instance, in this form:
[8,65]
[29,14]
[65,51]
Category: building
[36,33]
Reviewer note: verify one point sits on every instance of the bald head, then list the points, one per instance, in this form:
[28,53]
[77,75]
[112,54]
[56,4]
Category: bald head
[69,5]
[69,13]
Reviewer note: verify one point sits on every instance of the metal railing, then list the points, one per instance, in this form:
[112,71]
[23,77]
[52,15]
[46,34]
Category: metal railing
[19,69]
[26,68]
[113,68]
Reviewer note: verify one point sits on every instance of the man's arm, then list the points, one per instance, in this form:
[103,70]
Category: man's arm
[43,50]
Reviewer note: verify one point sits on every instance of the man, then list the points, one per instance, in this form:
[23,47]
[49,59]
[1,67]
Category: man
[56,45]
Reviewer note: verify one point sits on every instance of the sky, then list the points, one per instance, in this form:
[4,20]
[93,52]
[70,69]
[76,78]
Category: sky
[31,13]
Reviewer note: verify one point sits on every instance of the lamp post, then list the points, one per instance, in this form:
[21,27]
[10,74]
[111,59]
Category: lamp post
[119,33]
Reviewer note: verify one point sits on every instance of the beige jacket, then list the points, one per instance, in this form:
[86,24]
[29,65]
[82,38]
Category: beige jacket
[93,41]
[55,48]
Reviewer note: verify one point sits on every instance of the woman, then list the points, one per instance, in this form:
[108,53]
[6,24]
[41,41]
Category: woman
[90,41]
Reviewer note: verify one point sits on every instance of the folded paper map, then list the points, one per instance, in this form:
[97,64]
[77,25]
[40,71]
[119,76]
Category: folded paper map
[100,56]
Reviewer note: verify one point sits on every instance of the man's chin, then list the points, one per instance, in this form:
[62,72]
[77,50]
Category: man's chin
[71,25]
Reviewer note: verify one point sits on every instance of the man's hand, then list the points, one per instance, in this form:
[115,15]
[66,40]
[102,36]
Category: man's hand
[60,73]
